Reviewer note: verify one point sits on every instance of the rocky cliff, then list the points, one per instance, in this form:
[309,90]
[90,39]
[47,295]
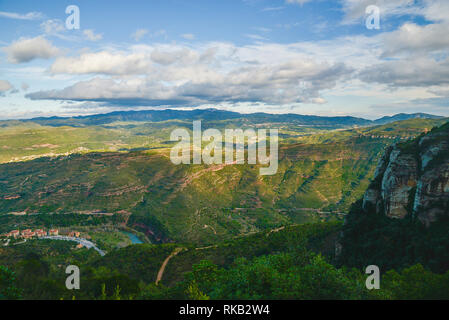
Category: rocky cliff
[413,178]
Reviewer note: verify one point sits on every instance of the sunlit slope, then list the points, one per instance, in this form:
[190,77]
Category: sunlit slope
[319,176]
[192,202]
[23,142]
[27,140]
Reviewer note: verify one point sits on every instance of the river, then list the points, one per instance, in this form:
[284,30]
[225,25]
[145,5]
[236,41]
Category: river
[134,239]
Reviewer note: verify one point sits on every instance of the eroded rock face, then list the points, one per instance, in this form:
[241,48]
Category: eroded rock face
[371,198]
[413,178]
[399,179]
[432,194]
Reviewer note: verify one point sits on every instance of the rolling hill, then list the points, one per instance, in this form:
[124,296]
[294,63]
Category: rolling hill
[216,115]
[319,176]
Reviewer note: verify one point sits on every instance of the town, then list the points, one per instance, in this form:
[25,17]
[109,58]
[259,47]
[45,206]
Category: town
[37,233]
[52,234]
[29,234]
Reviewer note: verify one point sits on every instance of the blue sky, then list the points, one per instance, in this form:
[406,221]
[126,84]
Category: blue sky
[300,56]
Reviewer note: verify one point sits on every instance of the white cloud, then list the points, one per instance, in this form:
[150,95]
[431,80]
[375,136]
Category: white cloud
[5,85]
[57,28]
[53,26]
[262,29]
[103,62]
[91,35]
[272,9]
[443,92]
[408,64]
[410,72]
[19,16]
[25,50]
[419,52]
[188,36]
[412,38]
[167,57]
[219,72]
[436,10]
[300,2]
[355,9]
[318,101]
[139,34]
[255,37]
[432,10]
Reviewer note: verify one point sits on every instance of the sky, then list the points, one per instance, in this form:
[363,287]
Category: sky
[280,56]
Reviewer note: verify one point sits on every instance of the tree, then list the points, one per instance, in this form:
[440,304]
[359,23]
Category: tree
[8,289]
[194,293]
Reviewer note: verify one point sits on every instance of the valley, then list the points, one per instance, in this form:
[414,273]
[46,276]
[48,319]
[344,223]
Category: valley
[319,176]
[112,180]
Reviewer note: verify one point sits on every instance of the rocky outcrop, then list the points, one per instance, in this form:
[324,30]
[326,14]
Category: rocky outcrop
[413,178]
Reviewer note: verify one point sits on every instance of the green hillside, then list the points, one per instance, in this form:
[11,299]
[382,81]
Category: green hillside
[180,202]
[220,231]
[288,263]
[319,176]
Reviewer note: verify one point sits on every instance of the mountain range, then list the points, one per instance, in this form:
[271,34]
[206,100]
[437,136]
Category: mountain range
[220,115]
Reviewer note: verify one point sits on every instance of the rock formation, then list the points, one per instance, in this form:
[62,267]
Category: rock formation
[413,178]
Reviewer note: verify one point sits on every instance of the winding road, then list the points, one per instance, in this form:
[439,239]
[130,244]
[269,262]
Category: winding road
[88,244]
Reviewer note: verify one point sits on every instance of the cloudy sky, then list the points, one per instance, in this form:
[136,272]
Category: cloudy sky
[299,56]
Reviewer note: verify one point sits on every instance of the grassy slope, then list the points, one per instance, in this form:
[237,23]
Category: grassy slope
[199,203]
[193,203]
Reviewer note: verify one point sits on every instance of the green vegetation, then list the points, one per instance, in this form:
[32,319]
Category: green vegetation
[134,268]
[321,172]
[48,221]
[291,263]
[236,234]
[291,276]
[371,238]
[180,202]
[8,289]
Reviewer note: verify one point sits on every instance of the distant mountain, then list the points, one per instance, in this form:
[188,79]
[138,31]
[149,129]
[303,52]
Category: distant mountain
[220,115]
[203,114]
[405,116]
[145,115]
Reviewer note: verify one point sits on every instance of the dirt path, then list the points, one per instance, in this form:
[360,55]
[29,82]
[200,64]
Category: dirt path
[164,264]
[208,247]
[275,230]
[213,229]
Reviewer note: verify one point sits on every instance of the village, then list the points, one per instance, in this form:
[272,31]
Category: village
[37,233]
[52,234]
[28,234]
